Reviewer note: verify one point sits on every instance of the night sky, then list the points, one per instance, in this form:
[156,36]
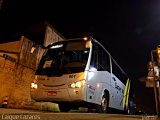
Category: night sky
[129,29]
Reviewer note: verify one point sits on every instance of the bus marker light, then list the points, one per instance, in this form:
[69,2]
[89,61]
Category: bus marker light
[85,38]
[98,85]
[57,46]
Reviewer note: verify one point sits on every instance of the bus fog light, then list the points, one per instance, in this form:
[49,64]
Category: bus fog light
[76,92]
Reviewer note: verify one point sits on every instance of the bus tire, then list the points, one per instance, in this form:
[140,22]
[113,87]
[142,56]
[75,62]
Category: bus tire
[131,110]
[103,108]
[64,107]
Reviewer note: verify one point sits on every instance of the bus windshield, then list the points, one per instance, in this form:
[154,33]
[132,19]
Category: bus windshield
[66,58]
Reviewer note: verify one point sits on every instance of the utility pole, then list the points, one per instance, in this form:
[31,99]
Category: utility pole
[158,61]
[154,81]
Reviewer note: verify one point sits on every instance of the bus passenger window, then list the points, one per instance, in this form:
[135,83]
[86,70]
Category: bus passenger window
[103,60]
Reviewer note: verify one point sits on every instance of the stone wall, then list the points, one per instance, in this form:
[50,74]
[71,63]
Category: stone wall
[15,80]
[52,36]
[27,58]
[18,65]
[17,71]
[7,70]
[20,95]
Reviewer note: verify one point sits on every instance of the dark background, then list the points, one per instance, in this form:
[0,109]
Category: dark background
[129,29]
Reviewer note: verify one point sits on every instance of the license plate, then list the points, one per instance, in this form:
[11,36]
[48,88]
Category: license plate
[51,93]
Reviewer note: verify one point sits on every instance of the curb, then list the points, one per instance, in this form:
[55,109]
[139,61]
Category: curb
[44,106]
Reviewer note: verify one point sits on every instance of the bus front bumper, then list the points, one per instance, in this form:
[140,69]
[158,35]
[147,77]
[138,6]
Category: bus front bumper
[58,95]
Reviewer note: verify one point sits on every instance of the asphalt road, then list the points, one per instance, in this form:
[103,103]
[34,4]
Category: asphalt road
[21,114]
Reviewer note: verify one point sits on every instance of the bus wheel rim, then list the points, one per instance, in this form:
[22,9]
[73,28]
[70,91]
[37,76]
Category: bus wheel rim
[104,104]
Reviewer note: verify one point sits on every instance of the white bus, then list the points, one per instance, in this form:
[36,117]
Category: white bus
[80,73]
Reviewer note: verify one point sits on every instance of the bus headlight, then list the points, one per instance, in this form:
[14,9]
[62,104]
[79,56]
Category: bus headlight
[73,85]
[34,86]
[76,84]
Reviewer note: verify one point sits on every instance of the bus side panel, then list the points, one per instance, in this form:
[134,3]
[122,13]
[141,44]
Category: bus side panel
[104,81]
[112,98]
[96,82]
[117,92]
[91,86]
[77,94]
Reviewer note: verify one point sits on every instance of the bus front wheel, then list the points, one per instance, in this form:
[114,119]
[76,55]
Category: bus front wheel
[64,107]
[103,108]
